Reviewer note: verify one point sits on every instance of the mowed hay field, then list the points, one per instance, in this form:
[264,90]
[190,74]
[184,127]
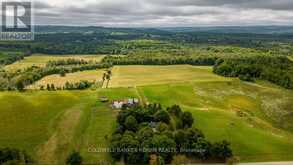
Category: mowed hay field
[254,135]
[101,123]
[255,118]
[41,60]
[50,125]
[41,122]
[129,76]
[58,81]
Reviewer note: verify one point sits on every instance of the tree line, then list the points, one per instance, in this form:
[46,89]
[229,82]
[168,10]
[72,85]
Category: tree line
[273,68]
[82,84]
[20,79]
[69,61]
[168,60]
[14,156]
[143,133]
[7,58]
[278,70]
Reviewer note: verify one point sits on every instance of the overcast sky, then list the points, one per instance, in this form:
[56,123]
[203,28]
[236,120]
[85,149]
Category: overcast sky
[163,13]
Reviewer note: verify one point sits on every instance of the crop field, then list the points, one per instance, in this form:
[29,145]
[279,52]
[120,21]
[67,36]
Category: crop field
[254,117]
[129,76]
[58,81]
[41,60]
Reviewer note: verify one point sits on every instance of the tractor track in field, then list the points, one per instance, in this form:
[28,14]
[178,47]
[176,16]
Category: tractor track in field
[60,141]
[141,97]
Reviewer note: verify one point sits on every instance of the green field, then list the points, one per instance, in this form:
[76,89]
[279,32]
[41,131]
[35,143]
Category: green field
[129,76]
[49,125]
[41,60]
[215,107]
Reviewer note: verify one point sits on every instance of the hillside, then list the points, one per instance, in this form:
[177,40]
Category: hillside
[224,108]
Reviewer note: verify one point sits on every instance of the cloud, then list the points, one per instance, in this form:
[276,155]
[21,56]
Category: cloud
[153,13]
[249,4]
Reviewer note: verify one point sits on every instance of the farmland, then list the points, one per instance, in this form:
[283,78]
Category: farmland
[42,59]
[127,76]
[59,81]
[230,87]
[130,76]
[215,107]
[261,133]
[57,123]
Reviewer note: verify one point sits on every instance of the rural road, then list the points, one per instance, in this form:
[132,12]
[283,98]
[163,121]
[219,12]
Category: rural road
[261,163]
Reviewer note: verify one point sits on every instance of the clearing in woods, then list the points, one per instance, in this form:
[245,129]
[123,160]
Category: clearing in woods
[41,60]
[58,81]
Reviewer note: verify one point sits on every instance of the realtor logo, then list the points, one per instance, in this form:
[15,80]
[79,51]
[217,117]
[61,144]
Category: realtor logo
[16,23]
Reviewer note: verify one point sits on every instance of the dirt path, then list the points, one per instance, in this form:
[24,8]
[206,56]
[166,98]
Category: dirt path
[59,144]
[141,96]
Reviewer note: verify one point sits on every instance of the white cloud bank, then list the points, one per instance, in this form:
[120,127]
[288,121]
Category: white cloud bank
[163,13]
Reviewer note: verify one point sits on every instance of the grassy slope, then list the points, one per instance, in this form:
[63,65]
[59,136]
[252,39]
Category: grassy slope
[214,106]
[215,102]
[41,60]
[85,122]
[27,119]
[50,125]
[101,123]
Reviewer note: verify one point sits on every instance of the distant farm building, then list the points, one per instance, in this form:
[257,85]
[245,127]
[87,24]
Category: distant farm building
[118,104]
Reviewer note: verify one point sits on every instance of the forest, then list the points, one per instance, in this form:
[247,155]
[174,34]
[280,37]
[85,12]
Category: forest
[100,40]
[247,56]
[278,70]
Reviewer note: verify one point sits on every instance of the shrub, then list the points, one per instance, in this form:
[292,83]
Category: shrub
[162,116]
[74,159]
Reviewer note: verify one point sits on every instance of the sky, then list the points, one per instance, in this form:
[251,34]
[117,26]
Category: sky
[163,13]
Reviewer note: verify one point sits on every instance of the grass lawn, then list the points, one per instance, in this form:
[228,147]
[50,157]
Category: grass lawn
[129,76]
[41,60]
[58,81]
